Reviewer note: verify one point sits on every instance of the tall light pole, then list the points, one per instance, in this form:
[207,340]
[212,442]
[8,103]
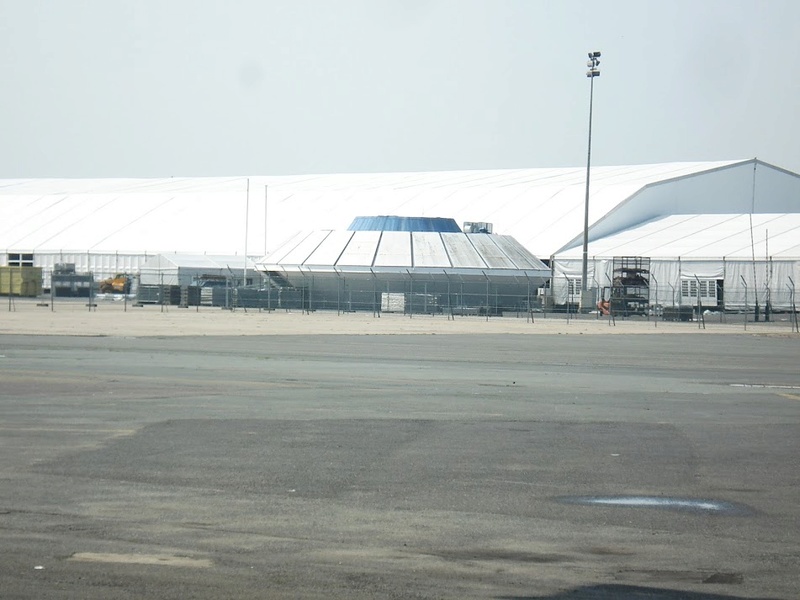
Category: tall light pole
[593,63]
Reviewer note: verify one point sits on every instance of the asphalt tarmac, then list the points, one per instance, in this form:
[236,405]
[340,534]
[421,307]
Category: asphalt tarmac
[386,466]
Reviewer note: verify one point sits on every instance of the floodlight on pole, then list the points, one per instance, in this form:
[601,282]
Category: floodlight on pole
[593,64]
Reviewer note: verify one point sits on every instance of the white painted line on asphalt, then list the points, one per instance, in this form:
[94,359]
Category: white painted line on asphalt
[690,504]
[766,385]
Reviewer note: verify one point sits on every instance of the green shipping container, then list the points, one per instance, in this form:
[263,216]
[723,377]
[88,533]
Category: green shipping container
[21,281]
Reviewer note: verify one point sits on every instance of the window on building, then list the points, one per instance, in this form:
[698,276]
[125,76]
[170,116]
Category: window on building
[574,289]
[706,289]
[17,259]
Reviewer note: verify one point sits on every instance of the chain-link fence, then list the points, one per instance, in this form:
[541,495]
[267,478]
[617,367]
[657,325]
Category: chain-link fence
[692,300]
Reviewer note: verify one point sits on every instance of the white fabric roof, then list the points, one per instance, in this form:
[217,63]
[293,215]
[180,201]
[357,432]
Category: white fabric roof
[199,261]
[401,250]
[541,208]
[703,236]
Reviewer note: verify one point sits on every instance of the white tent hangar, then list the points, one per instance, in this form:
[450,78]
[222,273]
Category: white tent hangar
[113,225]
[389,261]
[730,261]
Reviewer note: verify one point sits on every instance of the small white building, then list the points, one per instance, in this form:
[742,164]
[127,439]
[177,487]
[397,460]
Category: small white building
[198,270]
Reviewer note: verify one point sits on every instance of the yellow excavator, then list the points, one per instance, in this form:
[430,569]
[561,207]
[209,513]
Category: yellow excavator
[118,284]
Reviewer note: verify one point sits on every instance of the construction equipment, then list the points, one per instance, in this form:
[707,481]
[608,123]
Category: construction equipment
[604,305]
[118,284]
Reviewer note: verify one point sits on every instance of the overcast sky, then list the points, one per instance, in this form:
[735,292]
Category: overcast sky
[148,88]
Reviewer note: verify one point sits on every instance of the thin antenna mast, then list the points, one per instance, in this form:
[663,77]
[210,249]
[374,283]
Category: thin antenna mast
[246,223]
[266,190]
[767,276]
[752,240]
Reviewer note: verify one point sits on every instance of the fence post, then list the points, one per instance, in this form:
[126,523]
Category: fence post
[338,292]
[487,295]
[410,295]
[568,309]
[746,306]
[310,292]
[449,301]
[700,316]
[655,317]
[530,308]
[375,306]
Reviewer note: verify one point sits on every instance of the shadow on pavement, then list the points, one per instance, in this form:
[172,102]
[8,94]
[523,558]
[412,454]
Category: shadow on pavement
[627,592]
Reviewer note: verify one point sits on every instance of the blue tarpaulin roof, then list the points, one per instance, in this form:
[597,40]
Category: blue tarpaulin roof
[392,223]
